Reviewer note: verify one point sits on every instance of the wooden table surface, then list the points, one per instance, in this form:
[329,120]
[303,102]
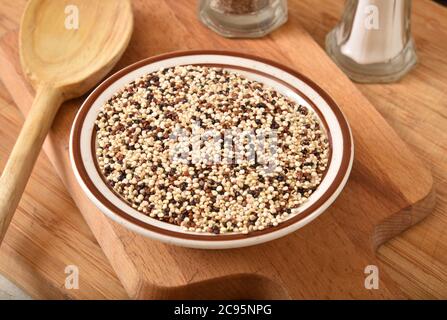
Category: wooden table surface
[416,108]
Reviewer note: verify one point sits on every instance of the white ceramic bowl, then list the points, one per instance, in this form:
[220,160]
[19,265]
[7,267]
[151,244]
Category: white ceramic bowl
[286,81]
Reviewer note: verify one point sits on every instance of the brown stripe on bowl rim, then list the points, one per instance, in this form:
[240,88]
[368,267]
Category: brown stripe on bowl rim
[345,161]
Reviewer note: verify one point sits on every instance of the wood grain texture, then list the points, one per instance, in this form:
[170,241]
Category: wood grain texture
[54,59]
[336,278]
[21,160]
[48,233]
[416,107]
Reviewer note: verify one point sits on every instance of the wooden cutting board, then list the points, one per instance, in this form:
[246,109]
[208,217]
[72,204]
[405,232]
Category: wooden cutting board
[389,189]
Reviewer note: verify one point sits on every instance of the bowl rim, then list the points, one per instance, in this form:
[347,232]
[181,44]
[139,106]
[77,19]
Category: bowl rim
[220,240]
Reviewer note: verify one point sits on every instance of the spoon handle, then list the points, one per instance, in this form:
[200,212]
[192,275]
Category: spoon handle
[25,152]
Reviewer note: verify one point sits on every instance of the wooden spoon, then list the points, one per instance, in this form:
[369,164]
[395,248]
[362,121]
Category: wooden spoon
[66,47]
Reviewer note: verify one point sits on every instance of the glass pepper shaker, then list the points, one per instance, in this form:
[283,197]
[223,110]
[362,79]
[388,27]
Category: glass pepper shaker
[373,42]
[243,18]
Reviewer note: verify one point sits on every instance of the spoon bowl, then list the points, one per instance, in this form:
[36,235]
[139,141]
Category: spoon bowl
[72,45]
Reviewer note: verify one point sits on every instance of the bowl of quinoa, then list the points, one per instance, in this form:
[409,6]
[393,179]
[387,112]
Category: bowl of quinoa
[211,149]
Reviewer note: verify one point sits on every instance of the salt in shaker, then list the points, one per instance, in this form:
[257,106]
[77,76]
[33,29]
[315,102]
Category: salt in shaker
[372,42]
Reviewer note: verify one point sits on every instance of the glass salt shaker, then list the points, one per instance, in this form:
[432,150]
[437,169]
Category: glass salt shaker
[243,18]
[372,42]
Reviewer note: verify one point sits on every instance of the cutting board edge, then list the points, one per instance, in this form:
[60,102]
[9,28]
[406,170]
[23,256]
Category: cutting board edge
[404,219]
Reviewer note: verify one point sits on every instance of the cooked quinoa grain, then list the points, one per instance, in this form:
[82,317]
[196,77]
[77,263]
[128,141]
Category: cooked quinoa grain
[135,139]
